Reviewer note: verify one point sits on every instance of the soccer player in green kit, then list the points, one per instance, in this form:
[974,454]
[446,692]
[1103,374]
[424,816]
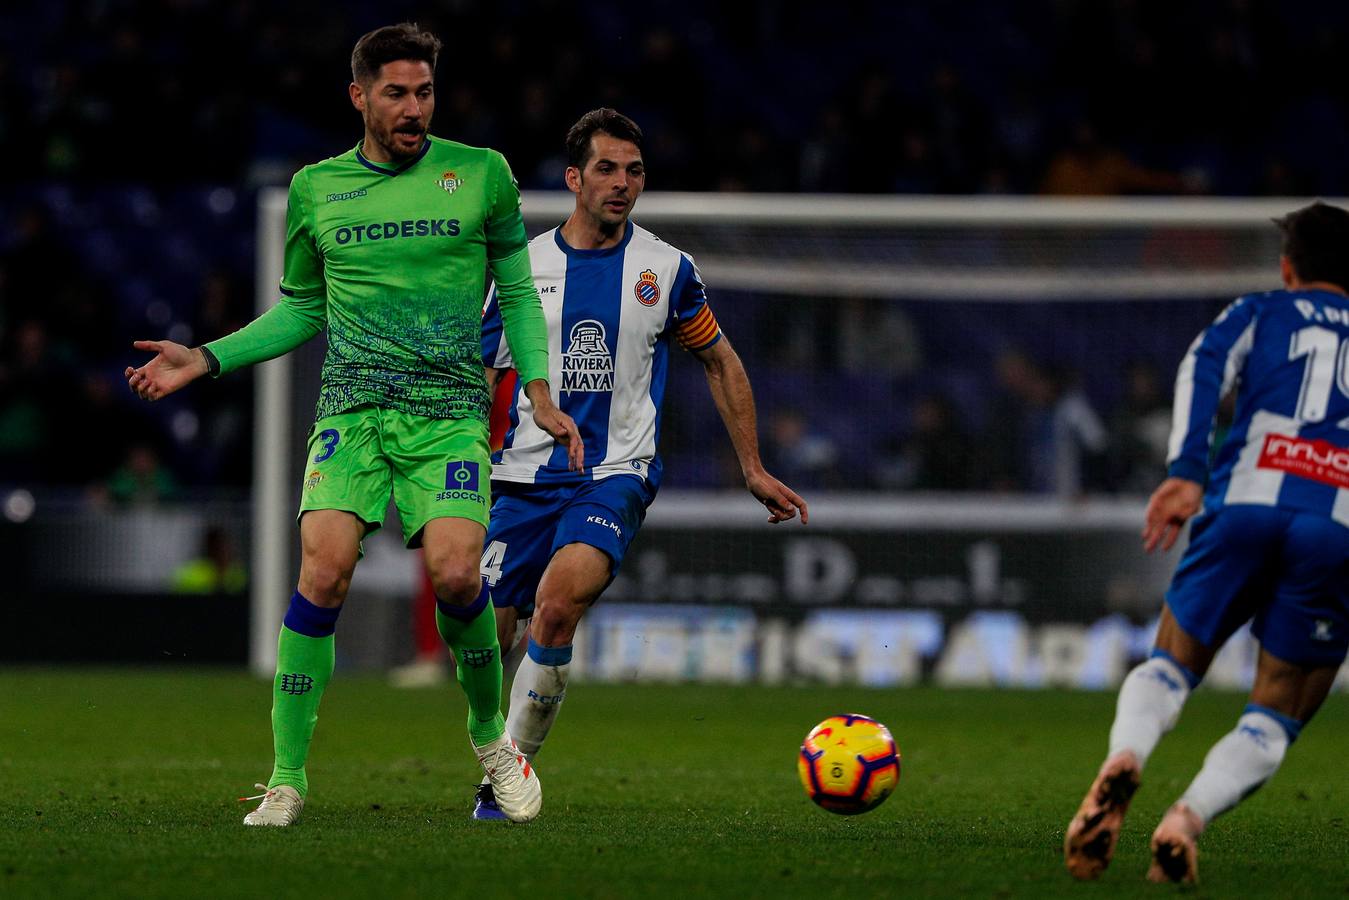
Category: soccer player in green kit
[387,245]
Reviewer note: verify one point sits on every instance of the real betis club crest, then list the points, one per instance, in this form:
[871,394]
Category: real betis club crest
[449,182]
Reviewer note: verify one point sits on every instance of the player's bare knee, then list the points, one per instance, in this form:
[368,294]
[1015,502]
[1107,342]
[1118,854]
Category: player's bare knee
[324,582]
[555,619]
[458,584]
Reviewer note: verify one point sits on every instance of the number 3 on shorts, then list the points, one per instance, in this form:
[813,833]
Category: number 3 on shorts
[329,437]
[493,557]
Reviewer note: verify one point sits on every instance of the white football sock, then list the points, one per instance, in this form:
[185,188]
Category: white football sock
[511,656]
[1242,761]
[1149,704]
[537,693]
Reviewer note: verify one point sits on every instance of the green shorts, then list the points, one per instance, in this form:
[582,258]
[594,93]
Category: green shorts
[435,468]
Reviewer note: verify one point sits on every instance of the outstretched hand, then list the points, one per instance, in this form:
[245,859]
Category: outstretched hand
[782,502]
[172,367]
[1169,508]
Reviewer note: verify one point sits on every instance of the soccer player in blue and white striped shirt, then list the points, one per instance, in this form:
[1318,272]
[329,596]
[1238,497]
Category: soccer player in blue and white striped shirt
[1269,544]
[613,295]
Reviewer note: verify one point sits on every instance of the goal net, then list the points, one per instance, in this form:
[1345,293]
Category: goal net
[887,340]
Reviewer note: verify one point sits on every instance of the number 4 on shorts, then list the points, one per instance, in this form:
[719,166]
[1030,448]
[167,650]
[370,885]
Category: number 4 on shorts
[493,557]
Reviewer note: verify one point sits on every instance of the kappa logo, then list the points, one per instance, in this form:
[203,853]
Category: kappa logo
[478,658]
[449,182]
[296,683]
[1322,632]
[646,289]
[587,365]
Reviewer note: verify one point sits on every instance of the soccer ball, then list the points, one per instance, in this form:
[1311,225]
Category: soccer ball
[849,764]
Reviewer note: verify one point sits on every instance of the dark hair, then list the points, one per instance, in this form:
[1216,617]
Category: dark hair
[1316,242]
[390,44]
[610,121]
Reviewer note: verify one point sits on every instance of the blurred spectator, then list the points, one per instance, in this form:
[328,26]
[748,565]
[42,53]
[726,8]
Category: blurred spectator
[1068,457]
[826,154]
[1016,418]
[798,454]
[30,395]
[1139,431]
[221,448]
[876,337]
[1088,167]
[1043,435]
[217,570]
[141,480]
[937,456]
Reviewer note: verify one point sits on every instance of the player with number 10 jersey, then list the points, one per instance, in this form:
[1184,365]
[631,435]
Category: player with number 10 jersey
[1269,545]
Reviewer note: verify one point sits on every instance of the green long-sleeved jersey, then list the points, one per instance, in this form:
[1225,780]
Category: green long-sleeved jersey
[393,260]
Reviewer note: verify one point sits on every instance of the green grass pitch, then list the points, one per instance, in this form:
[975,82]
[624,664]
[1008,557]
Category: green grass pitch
[122,783]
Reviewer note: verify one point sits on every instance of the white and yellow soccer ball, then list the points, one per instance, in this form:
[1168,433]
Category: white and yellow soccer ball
[849,764]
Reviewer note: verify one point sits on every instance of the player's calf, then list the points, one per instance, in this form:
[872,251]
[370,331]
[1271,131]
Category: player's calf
[1150,701]
[537,692]
[1242,761]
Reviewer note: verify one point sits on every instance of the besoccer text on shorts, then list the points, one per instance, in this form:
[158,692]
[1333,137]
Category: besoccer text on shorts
[387,246]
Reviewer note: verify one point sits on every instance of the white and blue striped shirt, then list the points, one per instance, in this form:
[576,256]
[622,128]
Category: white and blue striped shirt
[610,315]
[1287,354]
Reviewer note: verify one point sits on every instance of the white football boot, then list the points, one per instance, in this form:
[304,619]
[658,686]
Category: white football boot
[515,784]
[280,806]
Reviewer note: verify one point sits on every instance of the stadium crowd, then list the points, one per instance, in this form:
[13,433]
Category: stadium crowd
[1073,97]
[136,133]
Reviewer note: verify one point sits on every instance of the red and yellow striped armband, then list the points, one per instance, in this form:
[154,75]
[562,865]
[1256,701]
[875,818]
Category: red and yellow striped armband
[700,332]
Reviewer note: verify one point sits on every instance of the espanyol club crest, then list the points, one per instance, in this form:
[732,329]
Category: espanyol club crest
[449,182]
[646,289]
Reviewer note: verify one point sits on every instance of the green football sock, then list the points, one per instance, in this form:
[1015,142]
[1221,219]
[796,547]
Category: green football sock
[477,657]
[304,666]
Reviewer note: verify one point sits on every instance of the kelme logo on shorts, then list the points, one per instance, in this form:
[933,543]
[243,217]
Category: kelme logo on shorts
[461,482]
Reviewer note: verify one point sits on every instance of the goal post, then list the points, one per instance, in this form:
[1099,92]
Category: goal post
[273,535]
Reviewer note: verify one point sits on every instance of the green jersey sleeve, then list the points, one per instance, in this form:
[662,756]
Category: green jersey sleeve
[302,310]
[508,257]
